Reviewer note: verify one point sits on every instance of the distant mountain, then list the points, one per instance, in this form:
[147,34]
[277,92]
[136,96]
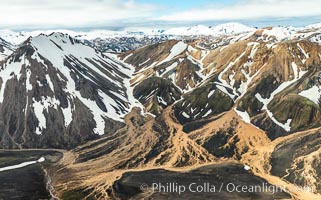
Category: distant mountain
[5,49]
[13,37]
[231,28]
[195,30]
[121,44]
[122,41]
[314,26]
[223,29]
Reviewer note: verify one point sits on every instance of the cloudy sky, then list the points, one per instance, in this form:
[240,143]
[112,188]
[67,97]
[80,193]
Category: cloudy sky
[119,14]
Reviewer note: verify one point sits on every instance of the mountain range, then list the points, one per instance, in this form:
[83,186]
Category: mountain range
[229,94]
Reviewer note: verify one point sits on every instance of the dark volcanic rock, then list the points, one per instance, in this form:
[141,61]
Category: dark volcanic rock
[215,176]
[58,93]
[202,102]
[27,182]
[298,161]
[156,93]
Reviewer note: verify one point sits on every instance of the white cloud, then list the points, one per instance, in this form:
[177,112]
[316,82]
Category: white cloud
[250,9]
[66,13]
[48,14]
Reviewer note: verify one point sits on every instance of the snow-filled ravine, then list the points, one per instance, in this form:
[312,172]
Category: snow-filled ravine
[298,74]
[21,165]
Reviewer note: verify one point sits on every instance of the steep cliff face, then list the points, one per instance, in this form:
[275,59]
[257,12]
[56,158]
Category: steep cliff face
[57,92]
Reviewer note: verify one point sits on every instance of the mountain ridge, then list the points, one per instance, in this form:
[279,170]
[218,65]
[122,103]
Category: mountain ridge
[249,99]
[61,78]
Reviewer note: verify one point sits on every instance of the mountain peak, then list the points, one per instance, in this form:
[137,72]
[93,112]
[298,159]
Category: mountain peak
[222,29]
[63,79]
[56,37]
[232,28]
[5,49]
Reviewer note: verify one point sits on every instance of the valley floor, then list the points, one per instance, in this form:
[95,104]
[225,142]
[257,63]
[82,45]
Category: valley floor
[26,182]
[115,167]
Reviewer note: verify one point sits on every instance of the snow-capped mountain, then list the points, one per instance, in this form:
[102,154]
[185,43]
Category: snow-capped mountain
[122,44]
[56,91]
[231,28]
[124,41]
[314,26]
[13,37]
[219,30]
[121,41]
[195,30]
[5,49]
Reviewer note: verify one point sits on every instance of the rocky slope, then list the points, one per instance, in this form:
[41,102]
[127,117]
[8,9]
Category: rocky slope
[268,76]
[56,92]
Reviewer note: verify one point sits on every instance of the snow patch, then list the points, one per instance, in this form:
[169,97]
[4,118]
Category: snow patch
[129,55]
[39,107]
[161,101]
[50,83]
[303,51]
[244,115]
[185,115]
[67,112]
[28,84]
[247,168]
[210,93]
[177,49]
[40,160]
[21,165]
[223,89]
[224,82]
[143,63]
[313,94]
[207,113]
[170,68]
[9,71]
